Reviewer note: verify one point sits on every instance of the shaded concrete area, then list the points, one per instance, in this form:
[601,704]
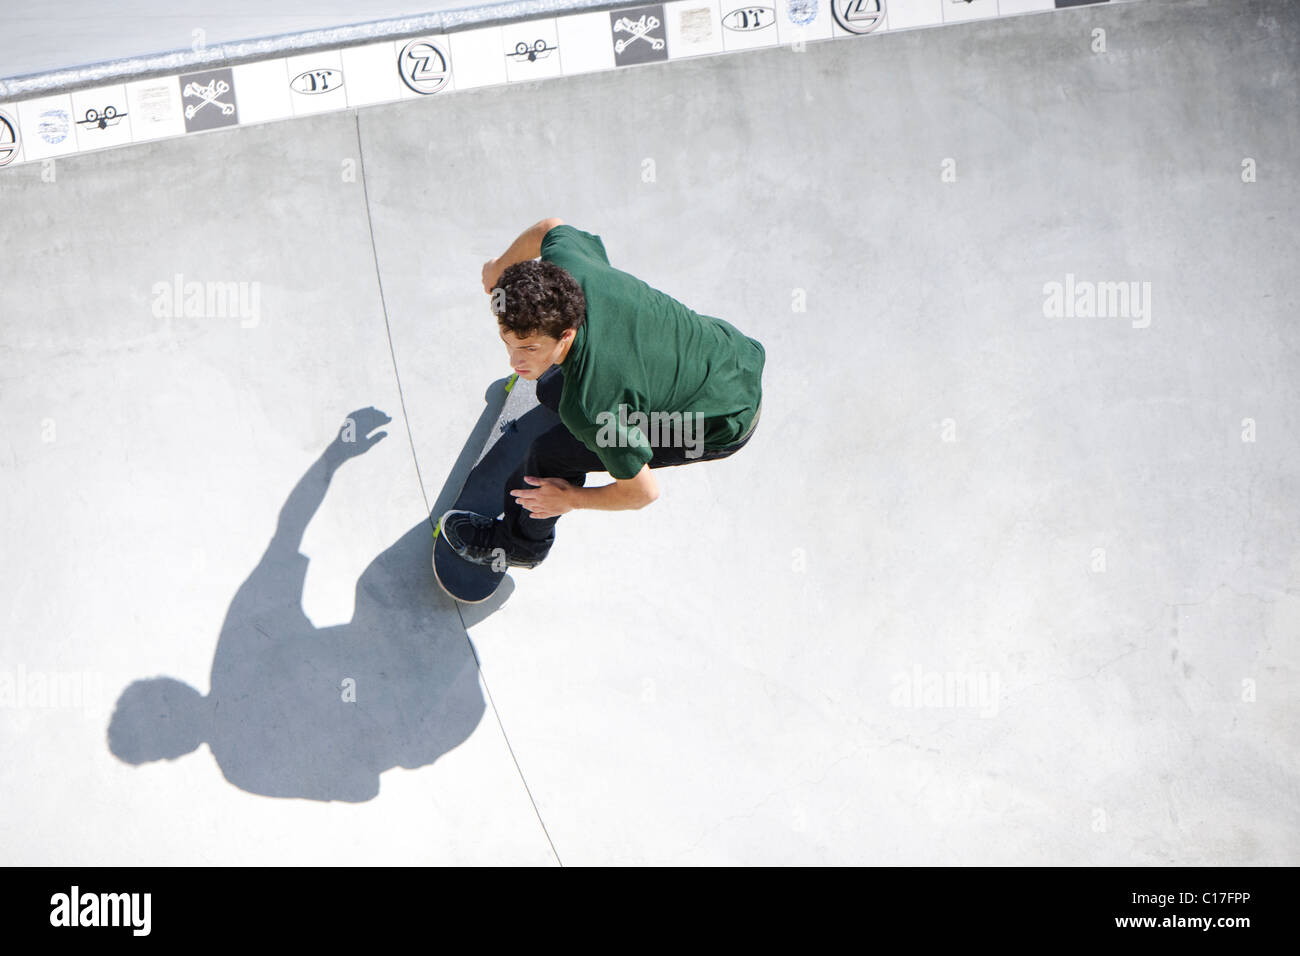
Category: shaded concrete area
[272,719]
[190,514]
[993,581]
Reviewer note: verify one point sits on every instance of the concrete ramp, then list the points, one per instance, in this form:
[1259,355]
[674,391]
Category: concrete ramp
[1008,573]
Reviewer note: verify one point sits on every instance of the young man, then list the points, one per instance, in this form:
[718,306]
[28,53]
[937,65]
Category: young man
[638,379]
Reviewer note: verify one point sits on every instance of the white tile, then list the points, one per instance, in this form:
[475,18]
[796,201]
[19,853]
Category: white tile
[156,110]
[47,127]
[906,14]
[747,26]
[102,117]
[479,58]
[371,75]
[531,50]
[262,91]
[694,28]
[1011,7]
[425,66]
[317,83]
[585,44]
[11,136]
[866,16]
[803,20]
[957,10]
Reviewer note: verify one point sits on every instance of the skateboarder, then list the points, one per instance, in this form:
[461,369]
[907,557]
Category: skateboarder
[639,382]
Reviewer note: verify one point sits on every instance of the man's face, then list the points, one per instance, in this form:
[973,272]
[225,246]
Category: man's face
[532,356]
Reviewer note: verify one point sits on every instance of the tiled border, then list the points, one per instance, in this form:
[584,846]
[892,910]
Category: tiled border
[212,96]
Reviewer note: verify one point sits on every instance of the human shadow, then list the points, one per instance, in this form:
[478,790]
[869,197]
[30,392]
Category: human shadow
[319,713]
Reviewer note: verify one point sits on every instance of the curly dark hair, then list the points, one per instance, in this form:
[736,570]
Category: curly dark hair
[538,296]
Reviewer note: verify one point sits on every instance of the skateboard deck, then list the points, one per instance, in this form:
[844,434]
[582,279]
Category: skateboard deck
[520,420]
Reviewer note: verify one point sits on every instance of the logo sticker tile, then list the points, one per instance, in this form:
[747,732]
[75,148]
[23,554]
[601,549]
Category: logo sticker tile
[11,143]
[424,65]
[639,35]
[209,99]
[858,16]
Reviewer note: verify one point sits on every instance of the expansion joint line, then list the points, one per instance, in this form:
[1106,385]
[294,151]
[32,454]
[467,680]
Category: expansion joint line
[388,328]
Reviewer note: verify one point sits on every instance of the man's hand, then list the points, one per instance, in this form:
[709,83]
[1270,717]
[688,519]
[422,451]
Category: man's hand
[548,499]
[491,273]
[527,246]
[555,496]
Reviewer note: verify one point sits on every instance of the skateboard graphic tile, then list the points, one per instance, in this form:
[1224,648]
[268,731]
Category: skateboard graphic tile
[638,35]
[857,17]
[317,82]
[209,98]
[11,141]
[803,20]
[102,117]
[424,65]
[694,27]
[47,128]
[747,27]
[155,107]
[532,50]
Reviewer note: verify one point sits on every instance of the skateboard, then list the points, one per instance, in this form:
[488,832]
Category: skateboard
[521,419]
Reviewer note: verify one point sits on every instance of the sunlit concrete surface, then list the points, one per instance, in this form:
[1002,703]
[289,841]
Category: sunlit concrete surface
[987,586]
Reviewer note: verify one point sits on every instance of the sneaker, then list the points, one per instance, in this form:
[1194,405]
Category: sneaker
[477,539]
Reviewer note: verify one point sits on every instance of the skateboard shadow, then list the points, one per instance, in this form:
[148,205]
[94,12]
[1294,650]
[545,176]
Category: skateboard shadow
[319,713]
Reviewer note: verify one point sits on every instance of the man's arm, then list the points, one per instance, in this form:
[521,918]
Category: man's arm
[549,497]
[527,246]
[625,494]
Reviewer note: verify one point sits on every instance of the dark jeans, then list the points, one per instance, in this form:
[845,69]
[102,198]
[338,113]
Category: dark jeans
[557,454]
